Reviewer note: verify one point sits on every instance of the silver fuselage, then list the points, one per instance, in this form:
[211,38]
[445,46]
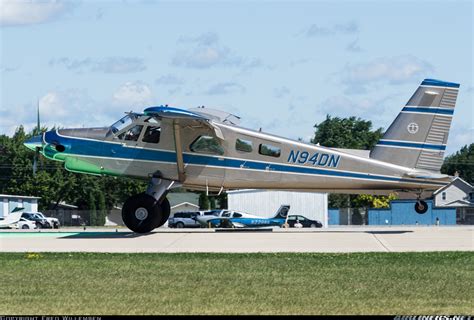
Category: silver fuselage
[300,166]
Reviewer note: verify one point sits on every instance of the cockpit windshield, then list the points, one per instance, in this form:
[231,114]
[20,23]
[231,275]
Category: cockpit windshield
[122,123]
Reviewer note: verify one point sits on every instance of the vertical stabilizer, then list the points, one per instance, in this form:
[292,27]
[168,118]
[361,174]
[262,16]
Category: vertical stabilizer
[418,136]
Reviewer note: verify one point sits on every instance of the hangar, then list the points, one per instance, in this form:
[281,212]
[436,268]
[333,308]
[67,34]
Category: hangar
[9,202]
[265,203]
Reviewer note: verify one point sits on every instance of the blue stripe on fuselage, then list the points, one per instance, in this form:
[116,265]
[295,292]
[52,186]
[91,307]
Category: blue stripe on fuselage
[95,148]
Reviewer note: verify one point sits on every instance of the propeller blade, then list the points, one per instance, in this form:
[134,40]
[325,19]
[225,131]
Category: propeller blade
[35,161]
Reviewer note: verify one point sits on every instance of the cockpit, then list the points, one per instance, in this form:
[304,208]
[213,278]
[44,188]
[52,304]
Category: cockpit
[136,128]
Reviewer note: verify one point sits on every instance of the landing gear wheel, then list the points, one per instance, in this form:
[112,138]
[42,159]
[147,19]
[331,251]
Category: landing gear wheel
[165,212]
[421,207]
[141,214]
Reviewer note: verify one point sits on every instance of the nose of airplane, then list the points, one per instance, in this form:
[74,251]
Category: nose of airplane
[34,142]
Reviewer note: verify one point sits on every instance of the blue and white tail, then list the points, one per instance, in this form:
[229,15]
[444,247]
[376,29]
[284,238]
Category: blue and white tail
[282,212]
[418,136]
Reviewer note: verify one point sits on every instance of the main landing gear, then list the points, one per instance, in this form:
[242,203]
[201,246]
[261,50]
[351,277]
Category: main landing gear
[146,211]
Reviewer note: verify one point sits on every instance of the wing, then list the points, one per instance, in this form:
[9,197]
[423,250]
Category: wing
[181,115]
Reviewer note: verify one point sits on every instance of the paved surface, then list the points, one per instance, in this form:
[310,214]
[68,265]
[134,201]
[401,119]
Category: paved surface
[344,239]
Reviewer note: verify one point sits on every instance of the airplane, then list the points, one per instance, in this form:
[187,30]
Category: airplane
[13,218]
[238,219]
[206,149]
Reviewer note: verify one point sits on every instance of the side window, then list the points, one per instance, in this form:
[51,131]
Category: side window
[443,195]
[243,145]
[152,134]
[226,214]
[236,215]
[132,134]
[207,144]
[269,150]
[292,218]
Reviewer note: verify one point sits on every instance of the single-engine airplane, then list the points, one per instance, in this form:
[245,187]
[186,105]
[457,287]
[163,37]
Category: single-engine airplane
[229,219]
[205,149]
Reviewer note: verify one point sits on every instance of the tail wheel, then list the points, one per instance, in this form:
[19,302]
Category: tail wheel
[421,207]
[141,213]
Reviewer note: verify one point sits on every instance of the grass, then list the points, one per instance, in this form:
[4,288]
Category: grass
[283,283]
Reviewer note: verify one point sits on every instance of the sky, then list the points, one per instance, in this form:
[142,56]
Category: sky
[280,65]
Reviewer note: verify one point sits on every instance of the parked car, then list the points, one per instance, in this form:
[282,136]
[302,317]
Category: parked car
[54,222]
[307,223]
[26,224]
[184,220]
[40,222]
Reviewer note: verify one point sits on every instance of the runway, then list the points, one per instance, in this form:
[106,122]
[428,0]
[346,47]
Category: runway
[341,239]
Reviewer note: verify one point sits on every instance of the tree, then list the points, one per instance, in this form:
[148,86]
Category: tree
[222,200]
[349,133]
[92,210]
[102,210]
[370,201]
[462,162]
[204,203]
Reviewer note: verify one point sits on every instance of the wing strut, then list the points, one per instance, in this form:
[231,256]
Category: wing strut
[179,151]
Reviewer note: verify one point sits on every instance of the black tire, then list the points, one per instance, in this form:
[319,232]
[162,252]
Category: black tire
[141,214]
[25,226]
[179,225]
[421,207]
[165,212]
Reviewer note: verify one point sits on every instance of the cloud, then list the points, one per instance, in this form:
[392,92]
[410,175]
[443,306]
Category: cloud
[169,80]
[9,69]
[105,65]
[354,46]
[205,51]
[377,109]
[133,94]
[345,28]
[389,69]
[226,88]
[22,12]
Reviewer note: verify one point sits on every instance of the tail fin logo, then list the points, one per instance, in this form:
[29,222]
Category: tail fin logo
[283,212]
[413,128]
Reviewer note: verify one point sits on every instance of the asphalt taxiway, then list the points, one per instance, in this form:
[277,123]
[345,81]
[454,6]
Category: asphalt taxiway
[343,239]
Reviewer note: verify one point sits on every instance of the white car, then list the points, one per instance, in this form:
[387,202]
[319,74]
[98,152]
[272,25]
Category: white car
[26,224]
[53,222]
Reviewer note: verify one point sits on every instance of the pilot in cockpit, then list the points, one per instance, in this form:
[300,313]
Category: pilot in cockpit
[133,133]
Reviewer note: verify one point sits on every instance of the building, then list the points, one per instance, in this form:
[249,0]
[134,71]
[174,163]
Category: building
[10,202]
[183,202]
[458,195]
[265,203]
[402,212]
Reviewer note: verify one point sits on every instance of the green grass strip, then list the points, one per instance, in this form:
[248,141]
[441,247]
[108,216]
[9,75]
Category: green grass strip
[200,283]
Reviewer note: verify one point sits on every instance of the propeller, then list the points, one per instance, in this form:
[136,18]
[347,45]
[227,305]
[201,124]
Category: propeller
[37,148]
